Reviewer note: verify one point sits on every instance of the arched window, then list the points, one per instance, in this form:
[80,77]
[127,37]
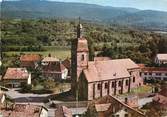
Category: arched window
[133,79]
[82,57]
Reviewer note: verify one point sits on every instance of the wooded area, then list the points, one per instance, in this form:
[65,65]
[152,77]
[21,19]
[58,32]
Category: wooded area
[106,40]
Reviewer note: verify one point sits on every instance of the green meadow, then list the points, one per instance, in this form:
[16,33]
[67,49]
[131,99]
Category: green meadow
[59,52]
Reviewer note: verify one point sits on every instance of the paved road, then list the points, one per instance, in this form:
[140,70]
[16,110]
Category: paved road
[27,97]
[38,100]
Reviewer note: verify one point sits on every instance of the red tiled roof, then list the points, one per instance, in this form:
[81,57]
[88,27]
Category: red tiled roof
[141,65]
[23,110]
[16,73]
[67,63]
[106,103]
[54,67]
[30,57]
[82,44]
[162,56]
[63,111]
[163,90]
[161,97]
[111,69]
[154,69]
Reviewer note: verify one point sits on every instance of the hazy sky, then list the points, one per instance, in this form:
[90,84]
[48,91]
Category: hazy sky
[140,4]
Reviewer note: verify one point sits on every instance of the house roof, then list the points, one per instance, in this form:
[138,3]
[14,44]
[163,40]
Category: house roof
[141,65]
[67,63]
[161,97]
[16,73]
[82,44]
[62,111]
[162,100]
[162,56]
[106,103]
[154,69]
[50,59]
[102,107]
[23,110]
[111,69]
[30,57]
[54,67]
[163,90]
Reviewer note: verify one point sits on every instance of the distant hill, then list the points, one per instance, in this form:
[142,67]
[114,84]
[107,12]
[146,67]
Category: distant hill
[147,19]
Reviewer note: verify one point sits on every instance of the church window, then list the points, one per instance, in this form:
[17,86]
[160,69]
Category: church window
[82,57]
[140,73]
[133,79]
[127,82]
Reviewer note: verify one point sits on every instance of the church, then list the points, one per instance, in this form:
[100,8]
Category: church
[101,77]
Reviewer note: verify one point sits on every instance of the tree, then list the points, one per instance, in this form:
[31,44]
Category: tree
[26,88]
[48,84]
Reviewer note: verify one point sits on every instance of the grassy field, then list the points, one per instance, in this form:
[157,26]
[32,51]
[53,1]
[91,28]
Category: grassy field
[59,52]
[139,91]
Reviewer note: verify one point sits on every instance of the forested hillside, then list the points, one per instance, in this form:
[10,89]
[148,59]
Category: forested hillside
[34,9]
[113,41]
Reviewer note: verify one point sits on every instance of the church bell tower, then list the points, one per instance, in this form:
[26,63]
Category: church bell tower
[79,56]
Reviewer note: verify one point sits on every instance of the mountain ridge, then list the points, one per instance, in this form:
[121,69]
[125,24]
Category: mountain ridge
[154,20]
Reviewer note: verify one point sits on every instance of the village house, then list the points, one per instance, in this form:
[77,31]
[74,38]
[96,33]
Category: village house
[161,59]
[109,106]
[101,77]
[67,64]
[56,71]
[24,110]
[153,73]
[47,60]
[160,100]
[30,60]
[161,97]
[14,77]
[158,107]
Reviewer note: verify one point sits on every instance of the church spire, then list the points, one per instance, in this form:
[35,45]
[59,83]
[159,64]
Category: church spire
[79,29]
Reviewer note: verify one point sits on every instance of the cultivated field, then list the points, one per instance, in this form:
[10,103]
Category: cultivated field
[59,52]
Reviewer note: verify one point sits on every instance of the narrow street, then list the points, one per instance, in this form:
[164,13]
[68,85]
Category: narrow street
[37,99]
[27,97]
